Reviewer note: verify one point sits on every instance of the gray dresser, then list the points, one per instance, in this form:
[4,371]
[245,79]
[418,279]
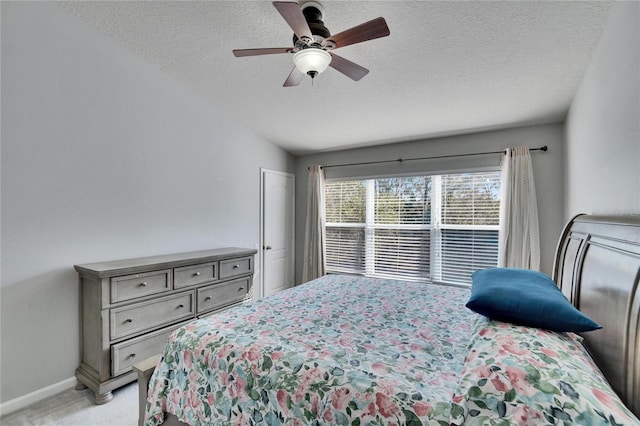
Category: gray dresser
[129,307]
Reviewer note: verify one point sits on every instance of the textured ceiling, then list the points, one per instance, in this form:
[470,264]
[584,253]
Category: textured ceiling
[447,68]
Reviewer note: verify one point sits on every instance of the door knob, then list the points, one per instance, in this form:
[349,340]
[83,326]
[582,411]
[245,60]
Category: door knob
[267,247]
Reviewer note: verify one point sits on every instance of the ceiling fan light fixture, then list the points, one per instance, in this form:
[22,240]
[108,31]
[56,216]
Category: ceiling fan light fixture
[312,61]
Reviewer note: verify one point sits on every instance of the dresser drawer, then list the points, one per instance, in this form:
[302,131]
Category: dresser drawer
[194,274]
[124,354]
[132,286]
[232,267]
[139,317]
[222,294]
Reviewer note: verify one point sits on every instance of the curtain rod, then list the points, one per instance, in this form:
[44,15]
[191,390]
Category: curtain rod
[400,160]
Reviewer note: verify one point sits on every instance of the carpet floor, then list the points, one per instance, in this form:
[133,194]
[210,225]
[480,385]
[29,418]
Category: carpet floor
[77,408]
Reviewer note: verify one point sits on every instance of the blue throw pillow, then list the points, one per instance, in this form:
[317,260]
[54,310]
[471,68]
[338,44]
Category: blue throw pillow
[525,297]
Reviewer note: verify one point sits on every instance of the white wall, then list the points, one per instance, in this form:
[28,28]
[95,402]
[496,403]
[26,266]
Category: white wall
[103,157]
[603,124]
[547,171]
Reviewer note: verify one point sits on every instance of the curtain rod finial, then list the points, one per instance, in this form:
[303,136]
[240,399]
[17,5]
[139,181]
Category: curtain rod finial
[544,148]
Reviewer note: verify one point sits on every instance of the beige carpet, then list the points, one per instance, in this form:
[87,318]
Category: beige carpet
[77,408]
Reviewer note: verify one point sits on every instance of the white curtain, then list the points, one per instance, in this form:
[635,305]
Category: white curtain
[519,230]
[314,237]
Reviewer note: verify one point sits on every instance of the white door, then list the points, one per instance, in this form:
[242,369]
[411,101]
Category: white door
[277,231]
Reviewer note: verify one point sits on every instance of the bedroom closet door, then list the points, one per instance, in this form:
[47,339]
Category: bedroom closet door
[277,231]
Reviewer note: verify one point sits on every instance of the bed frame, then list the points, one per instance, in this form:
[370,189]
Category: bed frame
[597,266]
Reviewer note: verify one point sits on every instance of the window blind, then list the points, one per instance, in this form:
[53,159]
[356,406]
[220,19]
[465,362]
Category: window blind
[465,251]
[402,253]
[400,234]
[419,228]
[345,226]
[469,225]
[471,199]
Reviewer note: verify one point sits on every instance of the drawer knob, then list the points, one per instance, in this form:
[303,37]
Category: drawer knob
[196,274]
[180,306]
[236,266]
[206,299]
[128,320]
[144,284]
[241,289]
[132,355]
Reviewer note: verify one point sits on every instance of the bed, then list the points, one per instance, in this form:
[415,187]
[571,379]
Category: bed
[354,350]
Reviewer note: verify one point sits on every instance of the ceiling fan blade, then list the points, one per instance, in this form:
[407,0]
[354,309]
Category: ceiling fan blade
[292,13]
[295,77]
[255,52]
[373,29]
[348,68]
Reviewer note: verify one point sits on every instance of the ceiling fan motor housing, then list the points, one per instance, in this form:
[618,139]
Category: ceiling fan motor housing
[313,13]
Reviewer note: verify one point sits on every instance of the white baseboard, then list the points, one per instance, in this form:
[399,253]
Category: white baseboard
[36,396]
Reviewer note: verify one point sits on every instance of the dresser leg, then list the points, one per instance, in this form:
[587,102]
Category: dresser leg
[80,386]
[103,398]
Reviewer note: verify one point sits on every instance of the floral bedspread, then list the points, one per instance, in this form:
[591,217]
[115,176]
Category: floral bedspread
[338,350]
[518,375]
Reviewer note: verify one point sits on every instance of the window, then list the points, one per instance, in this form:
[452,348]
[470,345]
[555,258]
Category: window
[345,211]
[421,228]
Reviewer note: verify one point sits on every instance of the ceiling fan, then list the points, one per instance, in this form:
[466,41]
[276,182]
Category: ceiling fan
[313,43]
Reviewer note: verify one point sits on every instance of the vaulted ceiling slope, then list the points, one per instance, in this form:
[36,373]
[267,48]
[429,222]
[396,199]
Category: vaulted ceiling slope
[448,67]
